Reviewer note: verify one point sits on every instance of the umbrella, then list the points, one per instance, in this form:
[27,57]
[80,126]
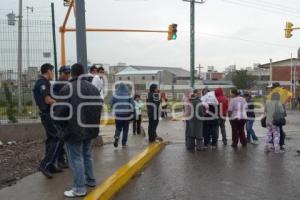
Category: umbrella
[285,94]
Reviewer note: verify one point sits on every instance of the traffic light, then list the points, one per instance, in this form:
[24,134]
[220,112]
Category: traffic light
[172,32]
[289,29]
[67,2]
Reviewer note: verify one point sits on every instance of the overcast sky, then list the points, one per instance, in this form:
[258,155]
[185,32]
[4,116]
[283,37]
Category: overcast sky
[240,32]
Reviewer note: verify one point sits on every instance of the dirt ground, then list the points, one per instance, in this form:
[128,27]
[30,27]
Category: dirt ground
[19,160]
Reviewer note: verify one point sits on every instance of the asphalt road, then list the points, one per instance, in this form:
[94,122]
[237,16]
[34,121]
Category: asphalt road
[221,174]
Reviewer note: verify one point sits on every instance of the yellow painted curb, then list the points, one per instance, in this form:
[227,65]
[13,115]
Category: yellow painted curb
[107,121]
[123,175]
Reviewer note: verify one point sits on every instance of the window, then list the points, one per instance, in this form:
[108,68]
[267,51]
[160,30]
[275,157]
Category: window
[153,77]
[120,78]
[143,77]
[128,78]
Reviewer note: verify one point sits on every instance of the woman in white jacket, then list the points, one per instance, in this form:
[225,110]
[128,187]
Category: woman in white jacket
[138,105]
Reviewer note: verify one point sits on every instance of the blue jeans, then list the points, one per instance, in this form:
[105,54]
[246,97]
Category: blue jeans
[122,125]
[81,163]
[250,131]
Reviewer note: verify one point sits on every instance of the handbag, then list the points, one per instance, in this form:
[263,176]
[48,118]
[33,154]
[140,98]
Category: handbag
[263,122]
[278,117]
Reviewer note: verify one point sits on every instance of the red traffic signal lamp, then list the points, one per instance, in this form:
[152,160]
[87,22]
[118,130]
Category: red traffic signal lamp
[172,32]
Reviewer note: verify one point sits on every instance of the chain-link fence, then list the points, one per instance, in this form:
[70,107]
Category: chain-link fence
[37,48]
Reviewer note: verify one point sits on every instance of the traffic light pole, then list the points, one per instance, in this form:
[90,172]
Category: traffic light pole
[81,33]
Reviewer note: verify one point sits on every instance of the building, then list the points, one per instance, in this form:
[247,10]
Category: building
[286,72]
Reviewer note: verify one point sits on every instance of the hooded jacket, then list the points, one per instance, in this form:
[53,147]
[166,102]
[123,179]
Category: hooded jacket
[122,103]
[223,102]
[84,122]
[153,103]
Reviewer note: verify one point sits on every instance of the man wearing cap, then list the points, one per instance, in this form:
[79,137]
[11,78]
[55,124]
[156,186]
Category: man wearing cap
[42,96]
[64,76]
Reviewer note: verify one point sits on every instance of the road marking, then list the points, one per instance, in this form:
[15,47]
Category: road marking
[123,175]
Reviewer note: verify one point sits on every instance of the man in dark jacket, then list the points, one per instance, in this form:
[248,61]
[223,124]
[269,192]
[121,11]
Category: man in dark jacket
[153,103]
[80,129]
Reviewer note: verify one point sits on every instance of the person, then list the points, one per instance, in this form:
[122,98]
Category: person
[251,136]
[43,99]
[64,76]
[187,112]
[282,133]
[273,110]
[223,109]
[153,103]
[80,129]
[237,115]
[195,132]
[96,78]
[123,109]
[138,105]
[164,105]
[211,118]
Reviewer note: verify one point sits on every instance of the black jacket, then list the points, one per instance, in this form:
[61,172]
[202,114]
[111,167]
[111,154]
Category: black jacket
[71,130]
[153,103]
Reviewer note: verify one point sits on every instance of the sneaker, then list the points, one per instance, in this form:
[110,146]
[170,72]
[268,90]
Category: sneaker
[298,151]
[116,143]
[45,172]
[72,194]
[255,142]
[225,142]
[124,145]
[279,151]
[53,169]
[201,148]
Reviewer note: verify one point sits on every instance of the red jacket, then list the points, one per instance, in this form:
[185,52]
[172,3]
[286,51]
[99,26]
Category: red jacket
[223,102]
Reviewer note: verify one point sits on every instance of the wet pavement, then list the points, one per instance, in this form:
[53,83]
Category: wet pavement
[224,173]
[220,174]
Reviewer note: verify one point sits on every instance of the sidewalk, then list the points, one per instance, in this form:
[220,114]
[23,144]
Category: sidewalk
[106,160]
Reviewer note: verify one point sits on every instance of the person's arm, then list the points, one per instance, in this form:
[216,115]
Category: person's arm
[45,92]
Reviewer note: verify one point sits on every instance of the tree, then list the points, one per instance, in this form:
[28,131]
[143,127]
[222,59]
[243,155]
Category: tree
[10,109]
[242,80]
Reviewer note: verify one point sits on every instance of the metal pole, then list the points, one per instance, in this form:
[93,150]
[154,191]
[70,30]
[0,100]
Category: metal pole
[81,33]
[192,43]
[271,72]
[20,56]
[54,41]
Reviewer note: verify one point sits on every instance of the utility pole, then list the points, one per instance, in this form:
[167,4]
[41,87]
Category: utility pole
[20,56]
[81,33]
[28,48]
[54,40]
[271,72]
[192,39]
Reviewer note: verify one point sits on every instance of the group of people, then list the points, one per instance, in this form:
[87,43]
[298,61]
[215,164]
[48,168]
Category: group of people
[127,109]
[206,112]
[68,111]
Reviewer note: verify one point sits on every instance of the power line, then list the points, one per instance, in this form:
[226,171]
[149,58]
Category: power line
[261,8]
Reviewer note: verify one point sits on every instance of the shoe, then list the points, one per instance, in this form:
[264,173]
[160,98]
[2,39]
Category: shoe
[53,169]
[72,194]
[298,151]
[267,149]
[234,145]
[279,151]
[63,165]
[90,185]
[282,148]
[225,142]
[159,139]
[124,145]
[201,148]
[45,172]
[256,142]
[116,143]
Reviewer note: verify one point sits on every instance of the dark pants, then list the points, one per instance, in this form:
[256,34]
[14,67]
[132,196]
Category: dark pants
[53,144]
[137,124]
[62,158]
[223,129]
[238,131]
[122,126]
[153,123]
[282,137]
[210,132]
[164,113]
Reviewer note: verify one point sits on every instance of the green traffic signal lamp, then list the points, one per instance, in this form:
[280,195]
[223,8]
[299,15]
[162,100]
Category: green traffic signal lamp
[174,31]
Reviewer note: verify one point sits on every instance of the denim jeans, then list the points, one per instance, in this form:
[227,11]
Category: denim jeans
[250,131]
[122,126]
[81,163]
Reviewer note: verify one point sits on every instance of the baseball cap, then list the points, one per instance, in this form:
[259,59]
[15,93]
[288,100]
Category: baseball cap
[64,69]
